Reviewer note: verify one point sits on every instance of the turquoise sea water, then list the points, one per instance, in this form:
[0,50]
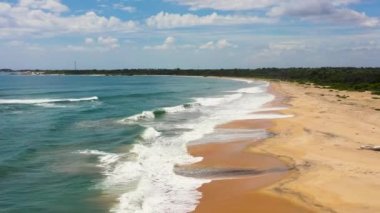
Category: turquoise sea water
[85,144]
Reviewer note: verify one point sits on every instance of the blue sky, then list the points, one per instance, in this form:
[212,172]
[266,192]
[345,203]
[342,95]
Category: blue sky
[109,34]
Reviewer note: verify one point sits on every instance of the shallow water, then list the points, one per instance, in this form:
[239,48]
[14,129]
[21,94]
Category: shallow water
[99,144]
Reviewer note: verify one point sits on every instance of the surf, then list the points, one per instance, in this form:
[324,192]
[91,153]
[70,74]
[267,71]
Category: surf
[46,101]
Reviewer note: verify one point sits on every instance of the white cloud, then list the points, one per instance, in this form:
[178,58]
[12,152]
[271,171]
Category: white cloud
[88,40]
[169,43]
[302,8]
[323,10]
[220,44]
[352,16]
[108,42]
[125,8]
[43,18]
[48,5]
[75,48]
[336,11]
[91,22]
[236,5]
[226,4]
[4,7]
[365,46]
[165,20]
[283,47]
[99,44]
[24,45]
[288,45]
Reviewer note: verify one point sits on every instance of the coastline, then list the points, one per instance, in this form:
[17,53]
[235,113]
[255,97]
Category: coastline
[309,162]
[244,173]
[318,146]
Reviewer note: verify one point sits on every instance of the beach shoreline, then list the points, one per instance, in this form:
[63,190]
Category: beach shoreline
[237,188]
[316,145]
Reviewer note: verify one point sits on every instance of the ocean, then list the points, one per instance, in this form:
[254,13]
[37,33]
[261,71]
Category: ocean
[109,144]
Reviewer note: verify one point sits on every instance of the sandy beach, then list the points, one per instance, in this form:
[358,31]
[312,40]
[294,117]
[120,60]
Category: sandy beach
[313,163]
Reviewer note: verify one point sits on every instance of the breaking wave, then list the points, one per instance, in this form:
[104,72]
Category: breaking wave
[146,182]
[46,101]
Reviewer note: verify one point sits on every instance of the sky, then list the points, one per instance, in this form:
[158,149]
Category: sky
[116,34]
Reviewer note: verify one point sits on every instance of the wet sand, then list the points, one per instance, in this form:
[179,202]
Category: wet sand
[236,191]
[239,174]
[312,164]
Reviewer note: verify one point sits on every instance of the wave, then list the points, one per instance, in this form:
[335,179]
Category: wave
[106,160]
[156,187]
[46,101]
[242,80]
[51,105]
[145,115]
[251,90]
[218,100]
[147,182]
[149,115]
[179,108]
[149,178]
[150,134]
[198,102]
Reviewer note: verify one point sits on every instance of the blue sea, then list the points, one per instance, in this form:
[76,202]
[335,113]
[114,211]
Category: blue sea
[110,144]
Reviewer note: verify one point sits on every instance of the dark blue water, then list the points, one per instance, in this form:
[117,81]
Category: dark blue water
[46,120]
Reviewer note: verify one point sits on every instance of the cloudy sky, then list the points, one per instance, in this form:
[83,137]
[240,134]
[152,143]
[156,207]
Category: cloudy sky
[52,34]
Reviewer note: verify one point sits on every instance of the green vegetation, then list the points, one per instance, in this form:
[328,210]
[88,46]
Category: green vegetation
[342,78]
[6,70]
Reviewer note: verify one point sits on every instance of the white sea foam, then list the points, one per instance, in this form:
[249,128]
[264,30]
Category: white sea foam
[45,101]
[242,80]
[150,134]
[251,90]
[158,188]
[92,152]
[147,182]
[149,115]
[181,108]
[105,159]
[146,115]
[214,101]
[51,105]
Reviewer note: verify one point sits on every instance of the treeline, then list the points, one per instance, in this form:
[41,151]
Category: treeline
[6,70]
[349,78]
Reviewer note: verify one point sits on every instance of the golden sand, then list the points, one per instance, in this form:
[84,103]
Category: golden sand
[321,143]
[322,140]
